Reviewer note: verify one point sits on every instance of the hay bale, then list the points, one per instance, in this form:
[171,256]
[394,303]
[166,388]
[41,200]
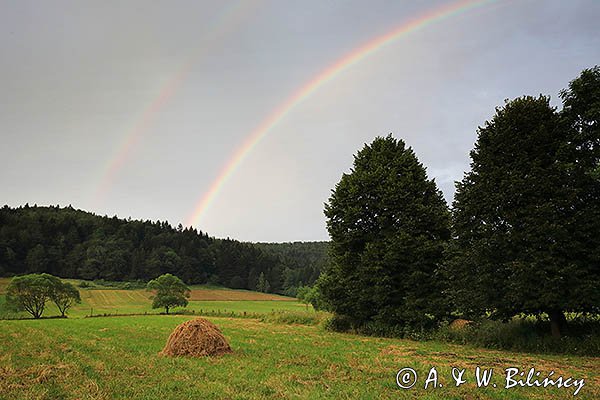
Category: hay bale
[459,324]
[196,338]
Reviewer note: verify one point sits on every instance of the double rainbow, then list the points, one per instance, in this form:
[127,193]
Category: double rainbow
[331,72]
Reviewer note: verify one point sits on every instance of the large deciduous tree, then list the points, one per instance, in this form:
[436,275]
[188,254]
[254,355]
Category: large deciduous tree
[170,291]
[526,236]
[29,293]
[388,225]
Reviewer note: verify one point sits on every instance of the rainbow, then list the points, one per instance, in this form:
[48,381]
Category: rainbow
[330,73]
[227,20]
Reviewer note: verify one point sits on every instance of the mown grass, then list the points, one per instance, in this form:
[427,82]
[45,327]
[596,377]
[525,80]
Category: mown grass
[117,358]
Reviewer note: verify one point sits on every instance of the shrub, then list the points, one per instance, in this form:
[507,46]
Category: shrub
[294,317]
[528,335]
[338,323]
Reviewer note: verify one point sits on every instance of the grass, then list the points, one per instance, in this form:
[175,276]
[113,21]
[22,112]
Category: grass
[284,354]
[117,358]
[207,299]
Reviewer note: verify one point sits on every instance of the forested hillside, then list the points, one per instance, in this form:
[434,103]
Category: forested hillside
[302,262]
[72,243]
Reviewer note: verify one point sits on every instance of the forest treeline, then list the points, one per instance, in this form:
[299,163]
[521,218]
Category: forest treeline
[77,244]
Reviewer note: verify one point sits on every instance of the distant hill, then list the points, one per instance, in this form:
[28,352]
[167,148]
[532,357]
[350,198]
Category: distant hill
[77,244]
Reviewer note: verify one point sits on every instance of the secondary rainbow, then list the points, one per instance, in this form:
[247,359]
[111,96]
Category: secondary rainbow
[228,19]
[322,78]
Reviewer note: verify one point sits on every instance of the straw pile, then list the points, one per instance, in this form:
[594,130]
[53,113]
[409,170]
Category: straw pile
[196,338]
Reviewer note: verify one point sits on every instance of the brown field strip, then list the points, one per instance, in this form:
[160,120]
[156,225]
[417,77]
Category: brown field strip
[217,294]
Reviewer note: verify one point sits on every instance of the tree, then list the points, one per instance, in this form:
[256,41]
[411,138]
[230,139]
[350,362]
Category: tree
[262,285]
[388,225]
[64,295]
[303,294]
[522,243]
[310,295]
[581,114]
[29,293]
[170,291]
[237,282]
[37,259]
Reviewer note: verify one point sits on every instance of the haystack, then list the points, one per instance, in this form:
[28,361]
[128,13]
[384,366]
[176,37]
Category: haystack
[196,338]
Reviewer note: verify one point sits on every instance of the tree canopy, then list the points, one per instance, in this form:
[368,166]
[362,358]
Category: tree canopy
[31,292]
[169,291]
[388,225]
[64,295]
[526,217]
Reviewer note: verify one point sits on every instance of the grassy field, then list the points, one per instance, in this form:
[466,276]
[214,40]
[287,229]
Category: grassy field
[202,299]
[117,358]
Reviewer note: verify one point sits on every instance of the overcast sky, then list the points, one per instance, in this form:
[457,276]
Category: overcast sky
[132,108]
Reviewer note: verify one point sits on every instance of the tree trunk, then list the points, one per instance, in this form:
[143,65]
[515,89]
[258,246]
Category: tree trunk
[557,322]
[167,309]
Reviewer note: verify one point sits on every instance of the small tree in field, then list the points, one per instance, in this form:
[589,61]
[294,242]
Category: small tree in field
[29,293]
[64,295]
[170,291]
[304,295]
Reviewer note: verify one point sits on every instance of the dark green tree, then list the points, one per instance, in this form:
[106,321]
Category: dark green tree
[388,225]
[520,246]
[169,291]
[29,293]
[237,282]
[37,259]
[581,114]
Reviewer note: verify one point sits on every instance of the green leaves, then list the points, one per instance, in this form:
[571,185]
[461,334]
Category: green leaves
[527,215]
[170,291]
[388,224]
[31,292]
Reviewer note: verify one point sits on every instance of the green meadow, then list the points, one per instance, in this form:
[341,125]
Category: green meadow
[117,358]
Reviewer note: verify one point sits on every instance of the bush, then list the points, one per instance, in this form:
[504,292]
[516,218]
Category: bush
[338,323]
[294,317]
[528,335]
[522,334]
